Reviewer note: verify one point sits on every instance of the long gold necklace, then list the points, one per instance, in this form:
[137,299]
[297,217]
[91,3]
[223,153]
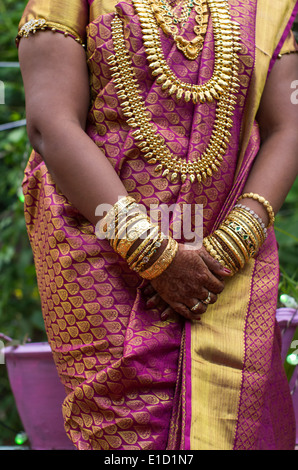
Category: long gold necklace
[167,21]
[134,109]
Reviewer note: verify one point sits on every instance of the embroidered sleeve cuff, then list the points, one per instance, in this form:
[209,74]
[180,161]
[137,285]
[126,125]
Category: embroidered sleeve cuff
[69,17]
[34,25]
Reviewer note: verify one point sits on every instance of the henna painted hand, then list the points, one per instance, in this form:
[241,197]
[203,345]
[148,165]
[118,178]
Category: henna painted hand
[187,282]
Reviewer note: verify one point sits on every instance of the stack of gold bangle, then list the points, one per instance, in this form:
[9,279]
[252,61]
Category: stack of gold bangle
[240,236]
[136,239]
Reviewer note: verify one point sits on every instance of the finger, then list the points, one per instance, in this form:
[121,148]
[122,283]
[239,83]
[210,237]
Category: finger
[211,283]
[149,290]
[181,309]
[168,314]
[185,311]
[153,301]
[207,297]
[196,306]
[213,264]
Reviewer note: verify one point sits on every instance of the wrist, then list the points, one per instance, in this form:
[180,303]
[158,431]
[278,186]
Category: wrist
[238,238]
[259,205]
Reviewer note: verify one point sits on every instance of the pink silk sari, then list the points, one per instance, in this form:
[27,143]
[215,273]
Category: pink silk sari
[128,376]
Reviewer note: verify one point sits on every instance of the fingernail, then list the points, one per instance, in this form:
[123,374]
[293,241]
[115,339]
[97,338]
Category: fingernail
[149,304]
[164,316]
[226,270]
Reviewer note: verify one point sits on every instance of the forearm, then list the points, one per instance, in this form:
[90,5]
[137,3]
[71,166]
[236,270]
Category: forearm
[80,169]
[274,171]
[242,233]
[276,165]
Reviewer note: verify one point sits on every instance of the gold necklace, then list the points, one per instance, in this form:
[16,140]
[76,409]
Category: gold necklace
[168,11]
[226,45]
[167,21]
[148,140]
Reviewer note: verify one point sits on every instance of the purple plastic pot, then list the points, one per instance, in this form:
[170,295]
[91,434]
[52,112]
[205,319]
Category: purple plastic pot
[288,322]
[38,394]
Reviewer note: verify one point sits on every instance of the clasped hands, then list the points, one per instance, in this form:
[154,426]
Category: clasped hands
[192,281]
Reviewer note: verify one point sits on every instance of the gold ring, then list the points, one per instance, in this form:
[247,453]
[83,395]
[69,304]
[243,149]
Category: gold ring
[208,300]
[195,306]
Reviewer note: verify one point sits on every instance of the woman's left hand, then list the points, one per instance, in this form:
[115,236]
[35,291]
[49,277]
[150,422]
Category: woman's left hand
[154,300]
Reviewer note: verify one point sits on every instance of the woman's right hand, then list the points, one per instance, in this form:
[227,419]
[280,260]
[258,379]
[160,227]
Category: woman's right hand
[192,277]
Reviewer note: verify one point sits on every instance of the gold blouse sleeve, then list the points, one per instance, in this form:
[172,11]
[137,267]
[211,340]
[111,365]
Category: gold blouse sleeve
[289,45]
[69,17]
[102,7]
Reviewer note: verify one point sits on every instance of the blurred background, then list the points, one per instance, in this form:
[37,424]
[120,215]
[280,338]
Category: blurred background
[20,315]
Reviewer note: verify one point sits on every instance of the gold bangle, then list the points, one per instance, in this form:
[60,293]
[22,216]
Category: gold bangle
[119,219]
[241,221]
[214,250]
[138,250]
[114,212]
[126,242]
[149,242]
[253,223]
[255,216]
[232,246]
[262,201]
[237,240]
[163,262]
[130,235]
[241,231]
[243,214]
[226,253]
[209,247]
[222,256]
[148,253]
[255,239]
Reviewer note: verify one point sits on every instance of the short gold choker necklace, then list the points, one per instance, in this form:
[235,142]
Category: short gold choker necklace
[168,22]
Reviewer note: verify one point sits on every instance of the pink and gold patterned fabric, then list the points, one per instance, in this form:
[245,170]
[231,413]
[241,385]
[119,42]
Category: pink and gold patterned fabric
[128,376]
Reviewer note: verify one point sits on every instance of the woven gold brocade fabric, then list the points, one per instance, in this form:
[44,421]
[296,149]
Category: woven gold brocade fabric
[289,45]
[101,7]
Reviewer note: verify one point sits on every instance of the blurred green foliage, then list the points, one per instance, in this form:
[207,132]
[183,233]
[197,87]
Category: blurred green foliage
[20,316]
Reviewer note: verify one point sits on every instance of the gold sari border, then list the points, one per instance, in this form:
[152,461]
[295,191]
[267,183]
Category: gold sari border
[259,337]
[217,358]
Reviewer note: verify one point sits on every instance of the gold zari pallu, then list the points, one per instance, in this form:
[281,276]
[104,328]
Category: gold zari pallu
[126,225]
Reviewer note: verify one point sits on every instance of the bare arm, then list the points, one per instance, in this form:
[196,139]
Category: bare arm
[276,166]
[56,85]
